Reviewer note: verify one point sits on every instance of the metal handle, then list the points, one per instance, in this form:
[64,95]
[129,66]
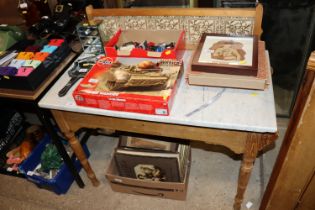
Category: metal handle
[67,87]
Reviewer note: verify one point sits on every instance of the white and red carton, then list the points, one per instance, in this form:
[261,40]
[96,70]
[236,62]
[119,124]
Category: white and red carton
[92,91]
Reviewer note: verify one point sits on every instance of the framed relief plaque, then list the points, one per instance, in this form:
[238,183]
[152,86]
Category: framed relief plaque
[224,54]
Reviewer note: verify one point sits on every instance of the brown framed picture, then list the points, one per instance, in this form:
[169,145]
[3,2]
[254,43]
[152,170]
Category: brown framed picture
[139,142]
[224,54]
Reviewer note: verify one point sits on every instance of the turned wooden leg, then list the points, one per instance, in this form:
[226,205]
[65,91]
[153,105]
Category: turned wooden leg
[75,145]
[249,156]
[78,150]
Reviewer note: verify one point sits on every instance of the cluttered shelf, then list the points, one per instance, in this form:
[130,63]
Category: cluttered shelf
[32,95]
[27,70]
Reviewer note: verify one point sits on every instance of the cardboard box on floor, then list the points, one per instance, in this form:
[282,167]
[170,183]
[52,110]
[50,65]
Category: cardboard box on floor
[170,190]
[125,36]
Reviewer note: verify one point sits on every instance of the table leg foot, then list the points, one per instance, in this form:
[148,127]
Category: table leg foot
[237,204]
[94,180]
[78,150]
[249,156]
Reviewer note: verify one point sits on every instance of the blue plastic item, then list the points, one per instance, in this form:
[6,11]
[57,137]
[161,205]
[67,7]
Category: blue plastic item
[32,63]
[49,49]
[62,181]
[7,71]
[16,63]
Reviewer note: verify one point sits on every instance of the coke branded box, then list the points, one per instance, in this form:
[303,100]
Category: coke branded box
[140,85]
[147,44]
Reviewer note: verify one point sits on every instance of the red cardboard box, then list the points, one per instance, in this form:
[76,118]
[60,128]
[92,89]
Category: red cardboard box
[130,87]
[121,37]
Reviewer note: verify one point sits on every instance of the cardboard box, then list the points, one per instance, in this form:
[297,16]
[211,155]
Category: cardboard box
[100,88]
[121,37]
[171,190]
[216,80]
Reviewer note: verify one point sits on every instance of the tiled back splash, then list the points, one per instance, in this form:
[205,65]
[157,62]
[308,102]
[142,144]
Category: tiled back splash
[193,25]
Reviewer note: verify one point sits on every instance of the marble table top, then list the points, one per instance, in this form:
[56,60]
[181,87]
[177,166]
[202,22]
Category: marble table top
[228,108]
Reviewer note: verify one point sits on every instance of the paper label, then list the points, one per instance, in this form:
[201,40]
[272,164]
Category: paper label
[161,111]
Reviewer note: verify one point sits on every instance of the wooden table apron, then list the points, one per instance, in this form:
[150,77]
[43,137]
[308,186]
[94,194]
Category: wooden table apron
[240,142]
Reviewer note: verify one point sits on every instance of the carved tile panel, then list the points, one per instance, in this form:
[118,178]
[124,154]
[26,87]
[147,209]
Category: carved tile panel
[193,25]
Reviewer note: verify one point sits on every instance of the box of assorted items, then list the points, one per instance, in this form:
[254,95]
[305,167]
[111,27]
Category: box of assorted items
[147,43]
[46,169]
[225,61]
[90,38]
[150,167]
[140,85]
[27,69]
[22,146]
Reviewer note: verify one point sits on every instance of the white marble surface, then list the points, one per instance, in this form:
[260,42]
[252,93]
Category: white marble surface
[236,109]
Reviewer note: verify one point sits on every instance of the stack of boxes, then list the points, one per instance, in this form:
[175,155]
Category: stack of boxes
[140,73]
[150,166]
[135,79]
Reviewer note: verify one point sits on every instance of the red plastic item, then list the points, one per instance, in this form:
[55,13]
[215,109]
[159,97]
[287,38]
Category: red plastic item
[41,56]
[56,42]
[24,71]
